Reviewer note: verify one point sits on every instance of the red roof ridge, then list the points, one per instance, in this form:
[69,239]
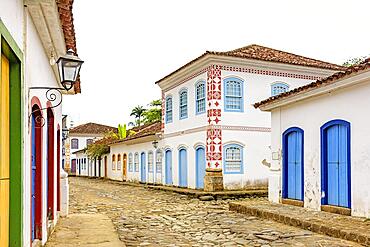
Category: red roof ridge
[269,55]
[92,128]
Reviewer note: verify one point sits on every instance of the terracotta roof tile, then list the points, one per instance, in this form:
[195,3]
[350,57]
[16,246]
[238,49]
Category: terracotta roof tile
[319,83]
[263,53]
[92,128]
[66,20]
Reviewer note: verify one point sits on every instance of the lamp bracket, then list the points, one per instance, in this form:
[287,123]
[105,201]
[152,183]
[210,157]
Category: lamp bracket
[52,94]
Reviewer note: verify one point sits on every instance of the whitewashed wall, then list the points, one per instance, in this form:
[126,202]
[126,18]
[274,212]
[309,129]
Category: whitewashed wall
[134,176]
[37,72]
[84,167]
[349,104]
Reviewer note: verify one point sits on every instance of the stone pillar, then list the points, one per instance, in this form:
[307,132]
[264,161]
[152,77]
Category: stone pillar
[213,180]
[64,193]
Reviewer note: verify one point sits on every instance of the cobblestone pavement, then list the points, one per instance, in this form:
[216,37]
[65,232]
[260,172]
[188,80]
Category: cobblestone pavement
[145,217]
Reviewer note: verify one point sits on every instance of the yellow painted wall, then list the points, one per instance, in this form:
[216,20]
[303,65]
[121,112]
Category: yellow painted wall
[4,152]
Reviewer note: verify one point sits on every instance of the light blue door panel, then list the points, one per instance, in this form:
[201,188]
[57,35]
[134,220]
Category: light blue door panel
[168,161]
[337,162]
[298,167]
[33,179]
[294,165]
[200,160]
[143,167]
[183,168]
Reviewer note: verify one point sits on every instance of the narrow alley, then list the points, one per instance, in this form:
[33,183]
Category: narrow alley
[144,217]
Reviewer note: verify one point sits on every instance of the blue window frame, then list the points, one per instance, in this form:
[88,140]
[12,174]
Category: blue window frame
[130,163]
[200,97]
[169,115]
[150,162]
[278,88]
[233,91]
[233,159]
[136,162]
[183,104]
[158,162]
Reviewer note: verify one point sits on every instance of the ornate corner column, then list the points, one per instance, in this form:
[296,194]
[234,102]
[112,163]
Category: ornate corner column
[213,180]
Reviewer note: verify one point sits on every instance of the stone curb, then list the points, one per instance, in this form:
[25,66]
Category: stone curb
[220,195]
[307,224]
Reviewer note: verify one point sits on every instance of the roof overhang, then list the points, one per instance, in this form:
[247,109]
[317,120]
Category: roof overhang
[139,140]
[46,19]
[208,59]
[355,79]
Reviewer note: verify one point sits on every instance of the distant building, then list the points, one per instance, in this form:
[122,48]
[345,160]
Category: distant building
[79,138]
[320,144]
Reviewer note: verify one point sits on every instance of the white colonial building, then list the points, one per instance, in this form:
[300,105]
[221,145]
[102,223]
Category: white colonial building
[137,158]
[33,35]
[213,138]
[79,138]
[320,144]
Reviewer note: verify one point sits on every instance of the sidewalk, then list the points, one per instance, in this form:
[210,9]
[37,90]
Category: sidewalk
[202,195]
[85,230]
[334,225]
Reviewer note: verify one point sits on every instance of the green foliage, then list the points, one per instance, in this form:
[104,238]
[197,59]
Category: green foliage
[354,61]
[97,150]
[152,115]
[137,112]
[146,116]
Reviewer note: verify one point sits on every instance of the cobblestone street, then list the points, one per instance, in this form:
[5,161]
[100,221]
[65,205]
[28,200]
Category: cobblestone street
[145,217]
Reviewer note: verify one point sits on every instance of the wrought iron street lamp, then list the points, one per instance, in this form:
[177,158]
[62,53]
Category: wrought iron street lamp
[155,144]
[69,67]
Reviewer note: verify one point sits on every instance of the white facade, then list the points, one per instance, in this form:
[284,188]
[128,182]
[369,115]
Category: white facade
[71,161]
[346,99]
[134,170]
[248,128]
[22,25]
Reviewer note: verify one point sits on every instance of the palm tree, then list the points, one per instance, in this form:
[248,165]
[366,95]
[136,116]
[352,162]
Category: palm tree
[137,112]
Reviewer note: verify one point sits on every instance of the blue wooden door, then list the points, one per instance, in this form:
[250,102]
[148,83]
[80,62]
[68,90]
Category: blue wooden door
[143,168]
[183,168]
[33,177]
[168,158]
[200,162]
[337,166]
[293,164]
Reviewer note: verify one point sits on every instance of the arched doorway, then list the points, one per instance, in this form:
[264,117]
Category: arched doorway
[105,166]
[336,163]
[293,164]
[168,166]
[124,168]
[183,168]
[200,163]
[143,167]
[50,165]
[36,173]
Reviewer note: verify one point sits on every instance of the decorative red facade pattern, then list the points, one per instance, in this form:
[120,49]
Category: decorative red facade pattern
[214,132]
[251,71]
[268,72]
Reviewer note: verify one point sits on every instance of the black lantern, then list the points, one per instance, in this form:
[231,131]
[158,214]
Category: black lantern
[155,144]
[69,67]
